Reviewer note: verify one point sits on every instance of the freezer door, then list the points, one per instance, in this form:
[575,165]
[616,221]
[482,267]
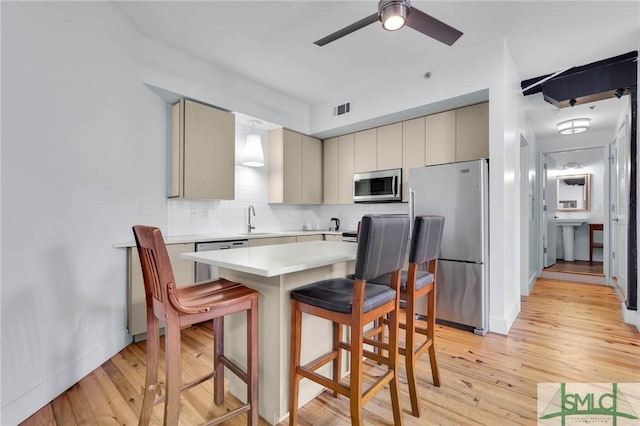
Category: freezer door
[457,191]
[461,295]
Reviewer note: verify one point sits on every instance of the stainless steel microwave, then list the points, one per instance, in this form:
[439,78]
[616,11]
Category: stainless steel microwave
[378,187]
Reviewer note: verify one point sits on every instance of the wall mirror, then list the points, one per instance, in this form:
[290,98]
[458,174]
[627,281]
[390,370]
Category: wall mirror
[573,193]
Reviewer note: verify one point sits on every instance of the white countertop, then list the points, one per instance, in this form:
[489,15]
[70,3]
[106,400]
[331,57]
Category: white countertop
[269,261]
[182,239]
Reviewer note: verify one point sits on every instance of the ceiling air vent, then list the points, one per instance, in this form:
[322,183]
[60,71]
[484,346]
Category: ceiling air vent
[342,109]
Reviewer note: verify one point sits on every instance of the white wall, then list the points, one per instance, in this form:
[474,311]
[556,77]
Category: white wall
[78,123]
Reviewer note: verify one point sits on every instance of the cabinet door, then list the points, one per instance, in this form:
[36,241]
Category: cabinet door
[311,170]
[345,169]
[275,166]
[183,272]
[315,237]
[472,132]
[256,242]
[365,151]
[389,153]
[209,152]
[440,138]
[330,170]
[413,148]
[292,167]
[332,237]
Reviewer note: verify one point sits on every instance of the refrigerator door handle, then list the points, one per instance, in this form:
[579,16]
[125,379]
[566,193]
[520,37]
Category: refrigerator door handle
[412,214]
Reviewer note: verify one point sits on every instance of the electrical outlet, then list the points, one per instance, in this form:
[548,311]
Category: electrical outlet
[79,321]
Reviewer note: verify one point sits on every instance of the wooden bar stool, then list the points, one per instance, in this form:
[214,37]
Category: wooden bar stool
[180,307]
[382,245]
[415,284]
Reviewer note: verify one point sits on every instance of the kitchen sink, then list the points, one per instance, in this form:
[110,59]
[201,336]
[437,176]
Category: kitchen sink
[257,233]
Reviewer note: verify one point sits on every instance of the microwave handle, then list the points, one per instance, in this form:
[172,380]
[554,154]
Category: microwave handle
[395,186]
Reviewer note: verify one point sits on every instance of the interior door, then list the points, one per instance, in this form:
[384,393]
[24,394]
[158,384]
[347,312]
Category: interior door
[549,207]
[619,221]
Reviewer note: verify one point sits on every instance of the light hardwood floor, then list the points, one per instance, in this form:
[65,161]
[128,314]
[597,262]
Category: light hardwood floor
[580,267]
[566,332]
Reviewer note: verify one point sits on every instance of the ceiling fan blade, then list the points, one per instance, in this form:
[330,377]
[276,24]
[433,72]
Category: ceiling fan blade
[347,30]
[430,26]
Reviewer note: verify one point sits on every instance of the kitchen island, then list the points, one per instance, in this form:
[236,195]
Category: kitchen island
[274,271]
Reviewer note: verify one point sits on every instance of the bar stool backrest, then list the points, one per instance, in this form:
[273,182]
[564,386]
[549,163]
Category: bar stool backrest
[156,267]
[426,238]
[382,244]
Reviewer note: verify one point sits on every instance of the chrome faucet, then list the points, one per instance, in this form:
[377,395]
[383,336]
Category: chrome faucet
[249,225]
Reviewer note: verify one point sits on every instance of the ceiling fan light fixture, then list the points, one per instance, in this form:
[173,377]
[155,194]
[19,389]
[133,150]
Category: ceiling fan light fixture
[571,127]
[393,15]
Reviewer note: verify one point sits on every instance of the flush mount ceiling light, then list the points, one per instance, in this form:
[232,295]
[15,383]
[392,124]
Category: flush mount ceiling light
[253,156]
[574,126]
[571,165]
[393,14]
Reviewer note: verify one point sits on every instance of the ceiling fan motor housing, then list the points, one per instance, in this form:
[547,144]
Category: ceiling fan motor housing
[393,8]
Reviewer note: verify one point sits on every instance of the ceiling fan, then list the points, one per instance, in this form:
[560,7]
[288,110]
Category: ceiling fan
[394,14]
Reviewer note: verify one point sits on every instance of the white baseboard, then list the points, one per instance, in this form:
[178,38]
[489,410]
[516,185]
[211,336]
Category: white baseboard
[532,281]
[16,411]
[503,325]
[631,317]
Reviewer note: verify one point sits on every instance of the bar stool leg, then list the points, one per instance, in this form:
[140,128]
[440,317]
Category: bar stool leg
[410,356]
[431,325]
[294,385]
[218,367]
[337,363]
[174,369]
[394,331]
[252,363]
[151,381]
[355,374]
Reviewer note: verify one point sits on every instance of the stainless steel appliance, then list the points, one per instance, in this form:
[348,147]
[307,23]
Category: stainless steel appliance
[336,224]
[350,236]
[206,272]
[377,187]
[460,193]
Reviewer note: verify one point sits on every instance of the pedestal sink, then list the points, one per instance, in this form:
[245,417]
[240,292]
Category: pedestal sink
[568,231]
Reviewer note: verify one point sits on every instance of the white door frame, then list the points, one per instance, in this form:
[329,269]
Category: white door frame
[606,219]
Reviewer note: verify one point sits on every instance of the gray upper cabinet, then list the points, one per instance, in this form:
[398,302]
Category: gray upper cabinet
[295,168]
[202,152]
[440,137]
[413,147]
[472,132]
[365,151]
[389,149]
[338,169]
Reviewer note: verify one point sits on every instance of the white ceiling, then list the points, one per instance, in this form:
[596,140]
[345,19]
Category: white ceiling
[271,42]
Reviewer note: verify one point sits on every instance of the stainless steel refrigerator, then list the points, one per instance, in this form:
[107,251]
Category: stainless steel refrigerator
[460,193]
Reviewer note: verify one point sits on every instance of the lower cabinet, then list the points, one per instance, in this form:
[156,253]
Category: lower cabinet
[256,242]
[332,237]
[315,237]
[183,271]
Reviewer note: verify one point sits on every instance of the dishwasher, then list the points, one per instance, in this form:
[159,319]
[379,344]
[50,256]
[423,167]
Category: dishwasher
[206,272]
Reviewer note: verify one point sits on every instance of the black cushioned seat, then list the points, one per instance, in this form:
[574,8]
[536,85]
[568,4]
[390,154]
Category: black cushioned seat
[336,295]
